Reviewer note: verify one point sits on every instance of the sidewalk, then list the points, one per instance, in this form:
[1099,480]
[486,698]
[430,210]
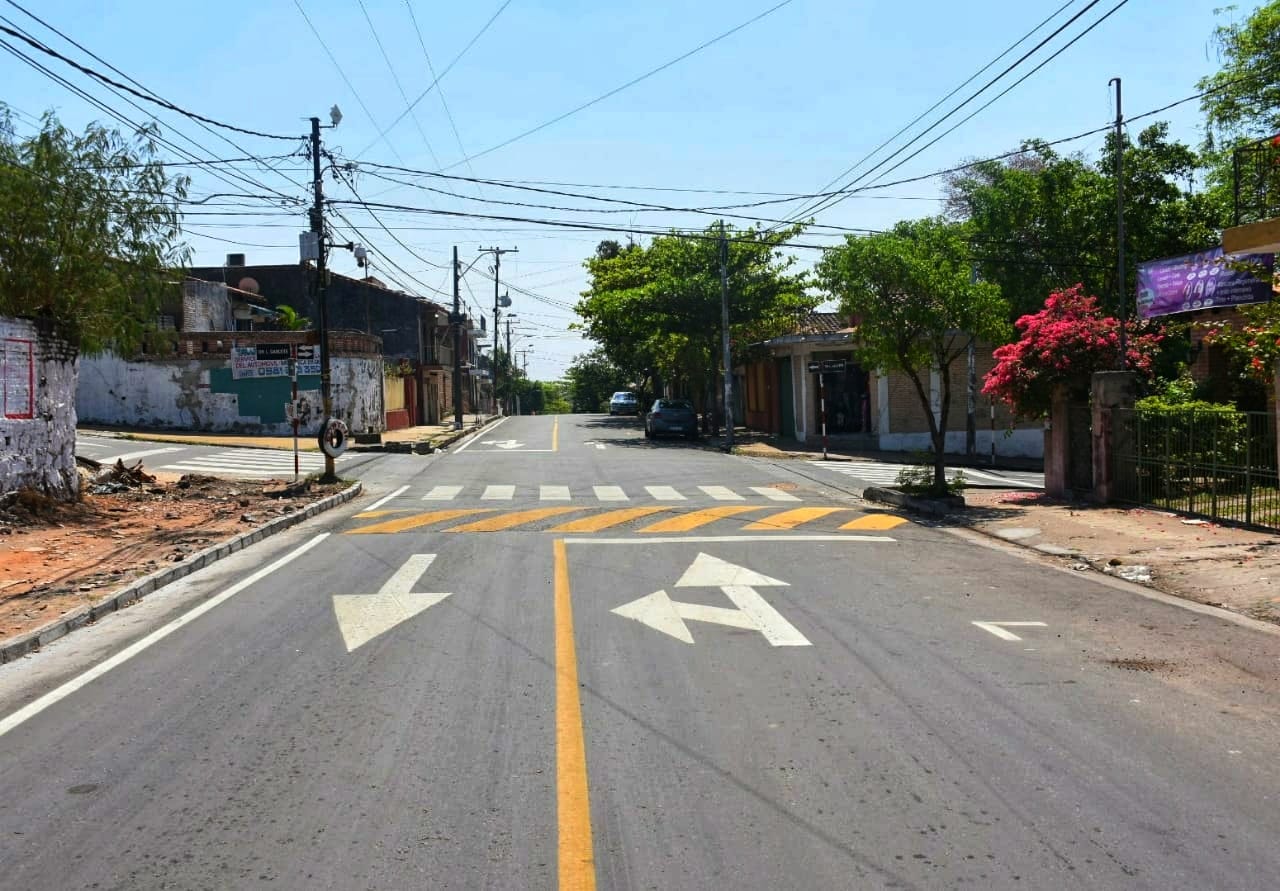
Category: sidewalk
[437,435]
[1237,569]
[757,445]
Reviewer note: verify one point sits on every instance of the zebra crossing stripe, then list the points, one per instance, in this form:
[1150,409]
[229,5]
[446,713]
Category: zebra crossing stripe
[510,521]
[419,520]
[607,519]
[442,493]
[790,519]
[553,493]
[721,493]
[610,493]
[664,493]
[498,493]
[773,494]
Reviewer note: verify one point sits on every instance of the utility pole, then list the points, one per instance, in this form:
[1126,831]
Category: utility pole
[511,364]
[455,321]
[1122,300]
[497,310]
[724,340]
[322,303]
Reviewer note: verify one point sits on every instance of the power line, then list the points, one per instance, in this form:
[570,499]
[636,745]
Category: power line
[631,83]
[350,86]
[396,78]
[99,76]
[383,133]
[854,166]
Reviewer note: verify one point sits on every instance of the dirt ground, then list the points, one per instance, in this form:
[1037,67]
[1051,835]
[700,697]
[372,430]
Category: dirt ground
[56,556]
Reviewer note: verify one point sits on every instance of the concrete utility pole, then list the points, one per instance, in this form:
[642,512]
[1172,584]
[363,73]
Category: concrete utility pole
[511,362]
[322,303]
[455,322]
[724,339]
[1123,300]
[497,306]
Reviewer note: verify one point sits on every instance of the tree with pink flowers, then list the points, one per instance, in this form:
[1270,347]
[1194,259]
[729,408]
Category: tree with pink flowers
[1063,345]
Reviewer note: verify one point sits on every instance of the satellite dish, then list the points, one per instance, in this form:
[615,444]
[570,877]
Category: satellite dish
[249,284]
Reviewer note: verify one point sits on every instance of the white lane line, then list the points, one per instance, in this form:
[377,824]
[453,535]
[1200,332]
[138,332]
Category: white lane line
[725,539]
[485,430]
[773,494]
[722,493]
[994,628]
[442,493]
[377,504]
[59,693]
[664,493]
[145,453]
[610,493]
[553,493]
[498,493]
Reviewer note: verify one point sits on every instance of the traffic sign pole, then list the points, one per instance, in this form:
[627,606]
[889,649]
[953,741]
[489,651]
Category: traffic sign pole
[822,398]
[293,375]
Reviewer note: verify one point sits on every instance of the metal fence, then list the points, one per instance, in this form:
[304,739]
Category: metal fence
[1256,177]
[1220,465]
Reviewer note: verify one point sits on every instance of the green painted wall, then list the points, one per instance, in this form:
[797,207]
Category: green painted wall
[260,397]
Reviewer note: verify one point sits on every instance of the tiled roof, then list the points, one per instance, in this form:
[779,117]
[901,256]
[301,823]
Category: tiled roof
[821,323]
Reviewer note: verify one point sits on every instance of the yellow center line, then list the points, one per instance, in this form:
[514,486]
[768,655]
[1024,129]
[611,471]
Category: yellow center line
[607,519]
[406,523]
[555,434]
[512,520]
[874,521]
[790,519]
[698,518]
[573,805]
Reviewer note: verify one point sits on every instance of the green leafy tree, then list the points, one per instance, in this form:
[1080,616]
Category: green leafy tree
[655,310]
[290,320]
[916,306]
[1242,99]
[89,231]
[593,378]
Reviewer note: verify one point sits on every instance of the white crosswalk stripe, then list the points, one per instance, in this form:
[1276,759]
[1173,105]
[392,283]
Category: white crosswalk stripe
[442,493]
[887,474]
[773,494]
[610,493]
[498,493]
[553,493]
[721,493]
[250,463]
[664,493]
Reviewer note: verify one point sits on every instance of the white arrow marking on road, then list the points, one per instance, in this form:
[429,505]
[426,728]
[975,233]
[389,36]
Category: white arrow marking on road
[598,445]
[503,443]
[997,628]
[753,612]
[362,617]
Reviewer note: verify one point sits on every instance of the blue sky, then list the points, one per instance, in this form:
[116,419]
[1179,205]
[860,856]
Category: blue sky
[782,105]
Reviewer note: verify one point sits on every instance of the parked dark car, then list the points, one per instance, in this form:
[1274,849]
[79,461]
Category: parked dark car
[671,416]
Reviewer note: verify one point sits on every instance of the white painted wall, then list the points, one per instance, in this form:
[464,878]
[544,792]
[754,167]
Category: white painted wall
[38,452]
[176,394]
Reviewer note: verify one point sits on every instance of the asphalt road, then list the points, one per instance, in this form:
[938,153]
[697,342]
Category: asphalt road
[563,656]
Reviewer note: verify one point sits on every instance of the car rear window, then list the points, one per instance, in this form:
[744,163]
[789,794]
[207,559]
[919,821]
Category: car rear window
[675,403]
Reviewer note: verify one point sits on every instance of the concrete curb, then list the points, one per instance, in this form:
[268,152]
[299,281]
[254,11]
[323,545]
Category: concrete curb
[32,641]
[936,507]
[456,435]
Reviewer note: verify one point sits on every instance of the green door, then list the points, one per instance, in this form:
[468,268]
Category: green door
[786,399]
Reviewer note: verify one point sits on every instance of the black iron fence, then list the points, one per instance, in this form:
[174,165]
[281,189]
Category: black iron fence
[1217,464]
[1257,180]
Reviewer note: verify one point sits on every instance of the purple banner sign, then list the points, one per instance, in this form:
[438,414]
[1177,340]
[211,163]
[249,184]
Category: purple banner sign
[1203,281]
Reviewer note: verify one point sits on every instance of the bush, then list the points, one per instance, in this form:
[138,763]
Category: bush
[917,478]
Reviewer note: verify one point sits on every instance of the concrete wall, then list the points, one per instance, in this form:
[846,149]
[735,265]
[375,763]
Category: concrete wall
[200,394]
[37,411]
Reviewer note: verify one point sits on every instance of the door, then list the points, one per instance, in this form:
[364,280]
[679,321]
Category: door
[786,399]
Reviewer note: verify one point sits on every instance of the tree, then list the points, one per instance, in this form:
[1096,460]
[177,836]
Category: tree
[290,320]
[89,229]
[1242,100]
[655,310]
[592,378]
[1062,345]
[916,305]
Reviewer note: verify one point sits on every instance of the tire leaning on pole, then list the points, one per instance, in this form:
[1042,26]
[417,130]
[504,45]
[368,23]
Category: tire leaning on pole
[334,437]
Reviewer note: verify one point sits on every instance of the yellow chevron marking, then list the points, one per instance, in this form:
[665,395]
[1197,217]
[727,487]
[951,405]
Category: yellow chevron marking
[790,519]
[371,514]
[875,522]
[698,518]
[607,519]
[405,523]
[512,520]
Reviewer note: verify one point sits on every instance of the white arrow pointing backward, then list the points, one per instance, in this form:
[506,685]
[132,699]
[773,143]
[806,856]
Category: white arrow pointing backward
[997,629]
[503,443]
[362,617]
[661,613]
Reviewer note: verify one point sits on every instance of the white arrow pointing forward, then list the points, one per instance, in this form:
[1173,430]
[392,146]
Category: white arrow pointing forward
[362,617]
[503,443]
